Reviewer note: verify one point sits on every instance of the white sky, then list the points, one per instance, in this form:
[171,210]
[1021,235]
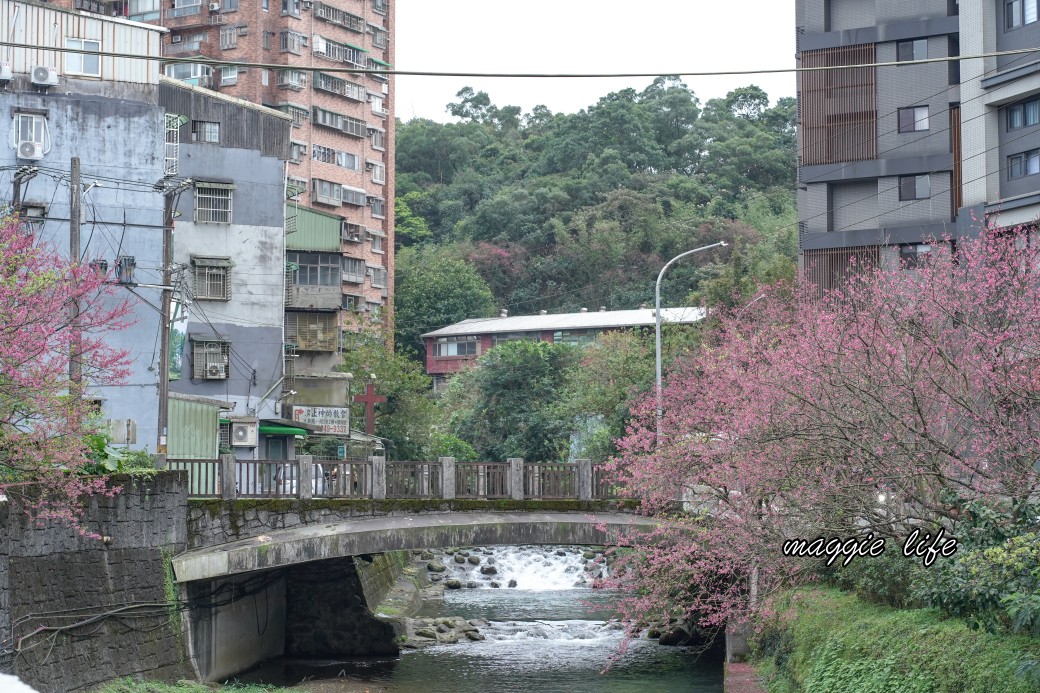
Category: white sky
[582,36]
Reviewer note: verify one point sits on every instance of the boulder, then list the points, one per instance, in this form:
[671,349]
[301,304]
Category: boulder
[488,570]
[426,555]
[477,622]
[453,584]
[561,552]
[426,633]
[459,558]
[674,636]
[495,585]
[443,628]
[448,638]
[436,567]
[475,560]
[588,555]
[436,578]
[471,585]
[512,583]
[475,636]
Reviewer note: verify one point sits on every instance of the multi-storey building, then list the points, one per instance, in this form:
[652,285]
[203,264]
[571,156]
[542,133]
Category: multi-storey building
[342,144]
[60,106]
[893,156]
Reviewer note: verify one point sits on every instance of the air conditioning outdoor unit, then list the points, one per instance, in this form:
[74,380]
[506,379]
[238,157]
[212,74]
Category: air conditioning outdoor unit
[6,73]
[43,76]
[244,434]
[214,6]
[176,38]
[216,371]
[27,149]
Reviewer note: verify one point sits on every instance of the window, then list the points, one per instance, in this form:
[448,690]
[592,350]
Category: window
[456,346]
[1024,164]
[297,151]
[210,359]
[83,63]
[379,36]
[229,5]
[353,270]
[378,106]
[298,113]
[294,186]
[911,254]
[267,5]
[354,196]
[373,310]
[915,187]
[351,302]
[1024,114]
[342,87]
[1018,13]
[576,337]
[378,139]
[378,207]
[144,10]
[312,331]
[329,155]
[293,79]
[212,278]
[913,119]
[327,192]
[228,75]
[336,121]
[193,73]
[340,52]
[213,203]
[378,171]
[513,337]
[293,42]
[291,7]
[205,131]
[912,50]
[30,127]
[266,39]
[353,233]
[378,277]
[379,6]
[377,242]
[228,37]
[315,269]
[333,15]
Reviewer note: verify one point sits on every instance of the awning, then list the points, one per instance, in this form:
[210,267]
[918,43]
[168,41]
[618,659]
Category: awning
[212,261]
[357,48]
[273,430]
[214,184]
[375,232]
[380,62]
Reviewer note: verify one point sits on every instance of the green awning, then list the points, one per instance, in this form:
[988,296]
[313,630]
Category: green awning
[225,421]
[357,48]
[275,430]
[380,62]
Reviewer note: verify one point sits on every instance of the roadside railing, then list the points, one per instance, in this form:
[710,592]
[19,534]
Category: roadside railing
[374,477]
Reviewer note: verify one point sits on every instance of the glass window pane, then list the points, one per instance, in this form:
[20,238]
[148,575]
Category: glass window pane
[1030,11]
[906,120]
[920,49]
[1032,112]
[1014,117]
[921,118]
[1032,162]
[923,188]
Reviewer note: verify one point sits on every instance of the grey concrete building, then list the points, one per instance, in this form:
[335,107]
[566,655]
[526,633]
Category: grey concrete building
[891,156]
[61,105]
[229,264]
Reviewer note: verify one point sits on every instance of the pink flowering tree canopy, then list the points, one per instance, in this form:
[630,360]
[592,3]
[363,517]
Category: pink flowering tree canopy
[890,404]
[45,421]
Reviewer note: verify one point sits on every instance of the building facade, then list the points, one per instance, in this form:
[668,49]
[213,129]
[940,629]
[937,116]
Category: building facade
[451,349]
[892,156]
[102,111]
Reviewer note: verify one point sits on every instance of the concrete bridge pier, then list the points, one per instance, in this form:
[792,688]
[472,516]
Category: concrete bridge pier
[319,609]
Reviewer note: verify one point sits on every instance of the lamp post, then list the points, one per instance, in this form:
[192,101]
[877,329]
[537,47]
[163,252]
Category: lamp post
[657,314]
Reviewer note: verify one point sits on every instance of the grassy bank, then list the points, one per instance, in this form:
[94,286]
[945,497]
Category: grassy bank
[827,641]
[132,686]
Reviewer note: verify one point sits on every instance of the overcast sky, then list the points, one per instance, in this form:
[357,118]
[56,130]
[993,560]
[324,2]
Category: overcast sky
[583,36]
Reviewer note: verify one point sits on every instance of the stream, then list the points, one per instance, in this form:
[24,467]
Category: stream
[550,633]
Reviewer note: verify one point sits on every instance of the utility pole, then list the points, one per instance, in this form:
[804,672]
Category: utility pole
[75,365]
[164,338]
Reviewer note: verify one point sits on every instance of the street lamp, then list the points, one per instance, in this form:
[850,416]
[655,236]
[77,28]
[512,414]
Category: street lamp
[657,313]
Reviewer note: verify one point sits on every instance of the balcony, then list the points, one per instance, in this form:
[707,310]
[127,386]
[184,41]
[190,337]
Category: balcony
[313,297]
[184,17]
[184,48]
[111,8]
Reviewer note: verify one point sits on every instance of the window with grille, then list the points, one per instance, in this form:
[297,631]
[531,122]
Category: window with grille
[378,207]
[327,192]
[210,360]
[297,151]
[576,337]
[312,331]
[205,131]
[340,87]
[293,42]
[354,196]
[379,6]
[213,204]
[378,139]
[353,270]
[378,171]
[212,278]
[228,37]
[292,79]
[334,15]
[378,277]
[172,146]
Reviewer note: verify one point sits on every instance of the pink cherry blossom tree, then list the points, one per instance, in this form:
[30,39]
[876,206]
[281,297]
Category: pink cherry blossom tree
[44,419]
[884,406]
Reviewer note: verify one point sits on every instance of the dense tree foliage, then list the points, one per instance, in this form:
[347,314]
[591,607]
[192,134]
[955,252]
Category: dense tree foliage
[559,211]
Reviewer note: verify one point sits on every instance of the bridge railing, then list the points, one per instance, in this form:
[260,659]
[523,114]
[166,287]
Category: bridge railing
[309,477]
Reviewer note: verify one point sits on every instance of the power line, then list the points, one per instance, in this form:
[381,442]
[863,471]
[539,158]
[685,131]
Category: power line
[204,60]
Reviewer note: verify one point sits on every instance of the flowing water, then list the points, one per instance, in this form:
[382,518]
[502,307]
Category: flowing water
[550,633]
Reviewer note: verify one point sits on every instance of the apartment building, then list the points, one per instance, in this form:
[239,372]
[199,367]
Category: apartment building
[342,142]
[60,106]
[893,156]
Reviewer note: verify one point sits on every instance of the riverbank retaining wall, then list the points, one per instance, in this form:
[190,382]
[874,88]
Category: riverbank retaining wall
[76,611]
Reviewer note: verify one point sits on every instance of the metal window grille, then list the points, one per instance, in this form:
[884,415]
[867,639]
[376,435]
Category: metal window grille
[228,37]
[213,205]
[204,131]
[210,360]
[212,282]
[173,139]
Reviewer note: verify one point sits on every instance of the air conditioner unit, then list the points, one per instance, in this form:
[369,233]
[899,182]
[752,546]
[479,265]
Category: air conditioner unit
[214,6]
[216,371]
[27,149]
[6,73]
[244,434]
[45,76]
[176,38]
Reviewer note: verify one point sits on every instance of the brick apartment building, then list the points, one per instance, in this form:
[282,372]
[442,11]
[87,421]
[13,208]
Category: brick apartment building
[893,156]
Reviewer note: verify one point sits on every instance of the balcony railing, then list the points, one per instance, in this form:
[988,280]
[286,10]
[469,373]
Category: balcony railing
[375,478]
